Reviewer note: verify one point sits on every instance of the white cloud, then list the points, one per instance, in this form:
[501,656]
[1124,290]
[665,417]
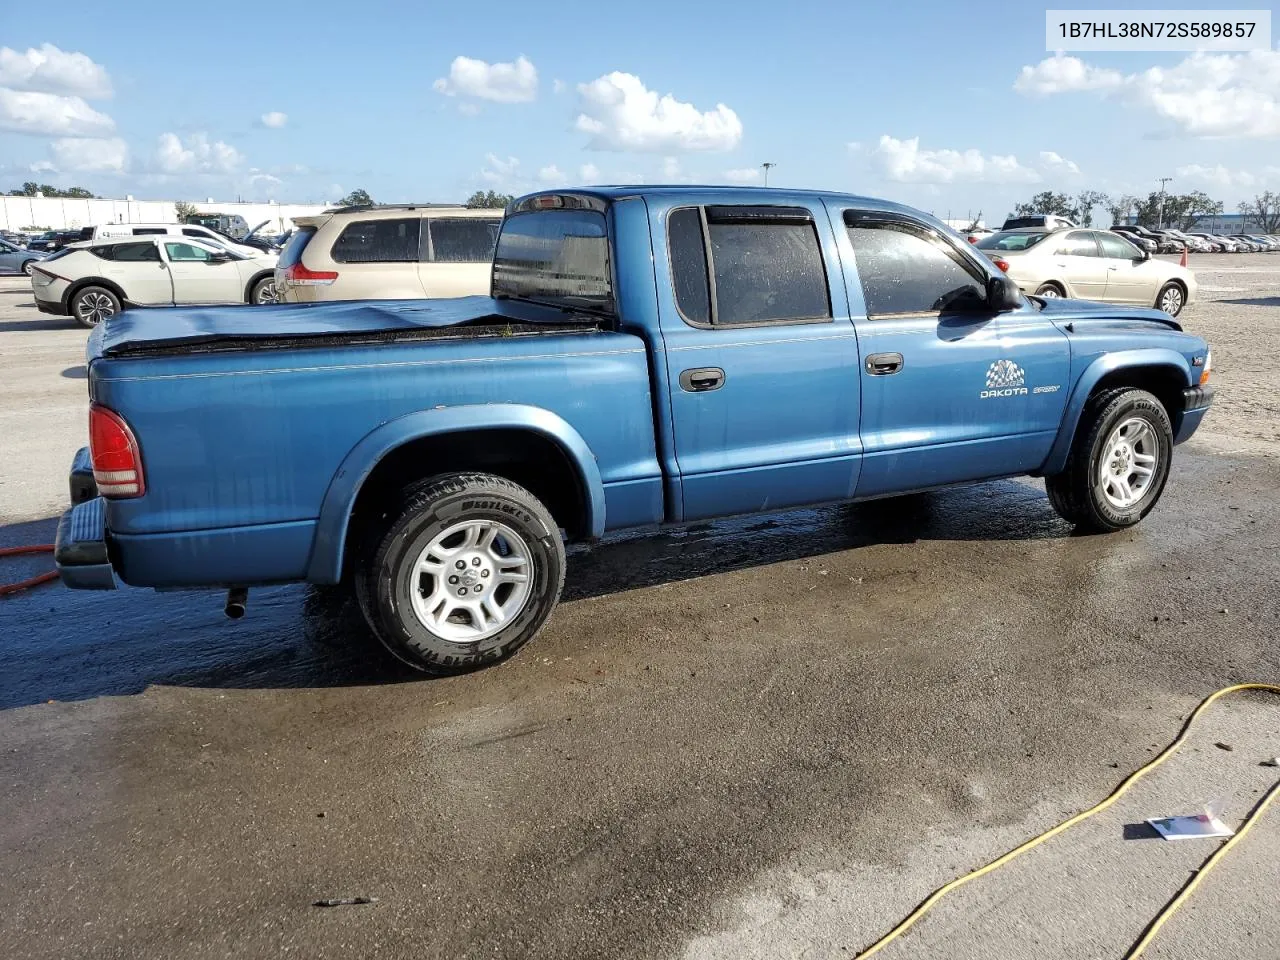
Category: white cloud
[1205,95]
[551,174]
[558,86]
[502,82]
[743,175]
[90,155]
[1056,163]
[589,173]
[619,113]
[670,168]
[468,109]
[196,154]
[42,166]
[23,111]
[1059,74]
[499,171]
[904,161]
[261,177]
[50,70]
[1220,176]
[275,119]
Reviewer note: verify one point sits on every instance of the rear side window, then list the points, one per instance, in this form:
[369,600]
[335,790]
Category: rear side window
[905,270]
[556,256]
[1011,240]
[765,265]
[292,251]
[459,240]
[149,231]
[127,252]
[378,241]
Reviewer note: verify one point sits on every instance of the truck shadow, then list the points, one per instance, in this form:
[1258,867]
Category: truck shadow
[59,644]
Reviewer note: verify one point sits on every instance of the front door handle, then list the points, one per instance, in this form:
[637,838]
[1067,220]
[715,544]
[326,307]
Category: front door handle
[883,364]
[701,379]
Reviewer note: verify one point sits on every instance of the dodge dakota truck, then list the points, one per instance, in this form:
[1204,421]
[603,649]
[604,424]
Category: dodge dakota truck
[647,356]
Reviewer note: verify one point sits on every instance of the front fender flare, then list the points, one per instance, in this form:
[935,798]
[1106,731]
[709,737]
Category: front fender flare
[1145,358]
[325,565]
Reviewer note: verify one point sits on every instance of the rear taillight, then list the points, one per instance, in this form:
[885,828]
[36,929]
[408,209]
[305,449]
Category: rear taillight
[117,461]
[1002,264]
[301,276]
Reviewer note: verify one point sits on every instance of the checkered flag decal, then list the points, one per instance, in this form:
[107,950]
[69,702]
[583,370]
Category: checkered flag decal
[1004,373]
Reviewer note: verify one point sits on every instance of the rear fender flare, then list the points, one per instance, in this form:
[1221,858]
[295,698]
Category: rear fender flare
[1145,359]
[325,565]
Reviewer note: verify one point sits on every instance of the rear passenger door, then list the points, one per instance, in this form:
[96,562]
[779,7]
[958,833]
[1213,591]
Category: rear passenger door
[457,255]
[383,259]
[761,358]
[951,390]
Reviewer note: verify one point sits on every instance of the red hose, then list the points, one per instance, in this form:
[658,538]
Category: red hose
[8,588]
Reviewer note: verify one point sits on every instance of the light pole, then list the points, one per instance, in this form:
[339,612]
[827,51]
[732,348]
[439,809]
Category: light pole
[766,166]
[1160,215]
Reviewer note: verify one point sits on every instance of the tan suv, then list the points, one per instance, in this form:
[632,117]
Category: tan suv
[389,253]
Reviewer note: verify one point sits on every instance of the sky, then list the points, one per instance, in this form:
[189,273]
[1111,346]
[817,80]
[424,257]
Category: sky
[958,109]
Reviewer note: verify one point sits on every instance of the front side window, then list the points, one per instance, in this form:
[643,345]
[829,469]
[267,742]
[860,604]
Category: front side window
[149,231]
[765,265]
[906,269]
[1117,248]
[378,241]
[1078,244]
[462,240]
[179,252]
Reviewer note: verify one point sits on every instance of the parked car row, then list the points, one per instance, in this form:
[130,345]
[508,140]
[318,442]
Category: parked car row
[1170,240]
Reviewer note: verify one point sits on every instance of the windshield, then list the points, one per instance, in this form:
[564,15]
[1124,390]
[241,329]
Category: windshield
[555,256]
[1011,240]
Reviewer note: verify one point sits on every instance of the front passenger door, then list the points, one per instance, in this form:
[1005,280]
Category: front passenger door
[949,387]
[1077,258]
[199,278]
[1130,277]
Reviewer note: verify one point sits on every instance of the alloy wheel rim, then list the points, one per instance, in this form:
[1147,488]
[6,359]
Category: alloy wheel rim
[1127,468]
[1171,302]
[94,307]
[267,293]
[471,581]
[1050,293]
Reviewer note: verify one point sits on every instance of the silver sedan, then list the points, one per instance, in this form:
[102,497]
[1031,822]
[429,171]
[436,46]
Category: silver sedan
[1089,265]
[16,260]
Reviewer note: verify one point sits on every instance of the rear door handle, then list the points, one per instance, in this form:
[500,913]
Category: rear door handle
[883,364]
[701,379]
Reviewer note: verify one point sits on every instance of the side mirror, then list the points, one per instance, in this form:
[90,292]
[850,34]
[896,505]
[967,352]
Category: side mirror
[1143,254]
[219,256]
[1003,294]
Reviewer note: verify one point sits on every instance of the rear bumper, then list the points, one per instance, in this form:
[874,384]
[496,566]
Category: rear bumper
[80,552]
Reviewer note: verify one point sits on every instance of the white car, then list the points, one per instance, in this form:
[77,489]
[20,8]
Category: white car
[1088,265]
[94,280]
[111,231]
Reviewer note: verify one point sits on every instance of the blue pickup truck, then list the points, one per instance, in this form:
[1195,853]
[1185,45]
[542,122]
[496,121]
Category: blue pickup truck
[648,355]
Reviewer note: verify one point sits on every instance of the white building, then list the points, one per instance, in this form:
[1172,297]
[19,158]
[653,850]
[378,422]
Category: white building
[58,213]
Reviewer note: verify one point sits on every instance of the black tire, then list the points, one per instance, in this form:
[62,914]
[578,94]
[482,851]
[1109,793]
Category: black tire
[1050,290]
[91,305]
[1175,294]
[27,265]
[384,580]
[263,291]
[1077,493]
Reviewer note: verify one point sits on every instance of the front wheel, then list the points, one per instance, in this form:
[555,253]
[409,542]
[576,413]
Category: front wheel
[1118,463]
[92,305]
[1050,290]
[28,266]
[264,291]
[468,573]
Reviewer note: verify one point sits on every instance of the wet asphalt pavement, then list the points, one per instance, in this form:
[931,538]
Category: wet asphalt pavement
[763,737]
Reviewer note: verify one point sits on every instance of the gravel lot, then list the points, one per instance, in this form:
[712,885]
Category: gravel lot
[759,738]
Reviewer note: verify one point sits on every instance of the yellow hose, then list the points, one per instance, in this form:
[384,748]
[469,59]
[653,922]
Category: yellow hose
[1167,911]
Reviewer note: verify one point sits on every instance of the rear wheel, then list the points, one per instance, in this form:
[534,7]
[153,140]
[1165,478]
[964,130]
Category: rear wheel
[1119,463]
[468,573]
[27,265]
[1050,291]
[264,291]
[91,305]
[1171,298]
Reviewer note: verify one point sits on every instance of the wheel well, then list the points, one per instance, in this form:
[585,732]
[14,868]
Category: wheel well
[1054,283]
[79,285]
[534,461]
[1164,382]
[248,287]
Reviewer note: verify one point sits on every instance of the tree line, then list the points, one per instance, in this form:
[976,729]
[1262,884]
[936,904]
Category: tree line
[1181,211]
[31,188]
[480,199]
